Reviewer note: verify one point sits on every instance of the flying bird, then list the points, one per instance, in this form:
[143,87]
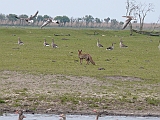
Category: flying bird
[49,20]
[98,44]
[30,19]
[129,18]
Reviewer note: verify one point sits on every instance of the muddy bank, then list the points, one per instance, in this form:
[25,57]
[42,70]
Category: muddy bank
[55,94]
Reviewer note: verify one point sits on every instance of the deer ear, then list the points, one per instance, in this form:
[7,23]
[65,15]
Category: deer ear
[81,50]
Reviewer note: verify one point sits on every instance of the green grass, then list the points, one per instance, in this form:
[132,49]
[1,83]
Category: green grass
[141,59]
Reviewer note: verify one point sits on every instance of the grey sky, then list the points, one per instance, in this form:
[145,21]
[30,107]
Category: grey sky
[114,9]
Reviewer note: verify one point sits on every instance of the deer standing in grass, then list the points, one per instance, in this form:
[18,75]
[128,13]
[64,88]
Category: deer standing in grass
[87,57]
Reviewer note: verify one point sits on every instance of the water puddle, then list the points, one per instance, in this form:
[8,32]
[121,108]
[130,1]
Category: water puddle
[73,117]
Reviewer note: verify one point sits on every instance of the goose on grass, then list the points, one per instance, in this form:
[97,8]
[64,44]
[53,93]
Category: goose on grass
[111,47]
[98,44]
[20,42]
[53,45]
[121,45]
[45,43]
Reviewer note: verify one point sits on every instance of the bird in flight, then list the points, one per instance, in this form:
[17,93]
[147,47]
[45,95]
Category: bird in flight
[129,18]
[49,20]
[30,19]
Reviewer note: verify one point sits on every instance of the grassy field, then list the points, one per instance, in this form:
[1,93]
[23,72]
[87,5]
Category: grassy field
[141,60]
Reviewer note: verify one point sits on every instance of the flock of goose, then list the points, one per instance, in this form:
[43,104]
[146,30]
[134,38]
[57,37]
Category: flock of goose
[53,45]
[51,20]
[61,116]
[31,19]
[121,45]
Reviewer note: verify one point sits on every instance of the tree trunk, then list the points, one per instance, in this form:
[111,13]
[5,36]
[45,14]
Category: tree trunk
[131,31]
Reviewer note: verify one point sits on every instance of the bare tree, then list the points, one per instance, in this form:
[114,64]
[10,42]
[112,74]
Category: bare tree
[156,24]
[142,11]
[131,8]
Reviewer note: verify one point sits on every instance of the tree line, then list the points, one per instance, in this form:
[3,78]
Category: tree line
[138,10]
[65,21]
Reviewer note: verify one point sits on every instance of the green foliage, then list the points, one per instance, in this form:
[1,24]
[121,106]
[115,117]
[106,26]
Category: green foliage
[153,101]
[1,101]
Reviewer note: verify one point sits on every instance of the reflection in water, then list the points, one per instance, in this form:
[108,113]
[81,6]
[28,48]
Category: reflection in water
[73,117]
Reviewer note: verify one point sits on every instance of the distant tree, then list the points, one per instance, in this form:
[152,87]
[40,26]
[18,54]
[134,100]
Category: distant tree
[72,20]
[39,18]
[62,19]
[142,11]
[88,19]
[2,16]
[45,17]
[107,20]
[11,17]
[65,19]
[98,21]
[114,23]
[131,8]
[23,22]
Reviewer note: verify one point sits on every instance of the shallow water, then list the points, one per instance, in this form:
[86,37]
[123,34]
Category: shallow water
[73,117]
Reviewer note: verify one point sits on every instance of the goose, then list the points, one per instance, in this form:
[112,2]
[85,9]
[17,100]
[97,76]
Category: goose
[98,114]
[122,45]
[30,19]
[159,45]
[129,18]
[98,44]
[53,44]
[111,47]
[20,42]
[62,117]
[45,43]
[50,20]
[21,116]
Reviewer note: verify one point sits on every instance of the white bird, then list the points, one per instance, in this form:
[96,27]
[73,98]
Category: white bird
[111,47]
[30,19]
[62,117]
[53,44]
[50,20]
[45,43]
[121,45]
[129,18]
[20,42]
[98,44]
[159,45]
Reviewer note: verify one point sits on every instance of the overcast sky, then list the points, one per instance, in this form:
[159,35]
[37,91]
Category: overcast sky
[113,9]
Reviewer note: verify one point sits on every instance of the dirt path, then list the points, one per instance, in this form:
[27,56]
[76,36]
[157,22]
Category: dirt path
[65,94]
